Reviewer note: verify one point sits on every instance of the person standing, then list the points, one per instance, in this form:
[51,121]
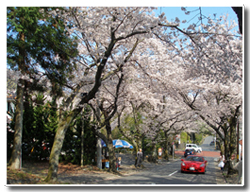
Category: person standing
[221,162]
[139,158]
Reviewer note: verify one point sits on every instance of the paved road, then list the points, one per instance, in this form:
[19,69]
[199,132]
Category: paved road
[166,173]
[206,144]
[208,140]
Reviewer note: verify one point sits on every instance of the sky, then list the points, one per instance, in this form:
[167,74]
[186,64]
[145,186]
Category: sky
[172,12]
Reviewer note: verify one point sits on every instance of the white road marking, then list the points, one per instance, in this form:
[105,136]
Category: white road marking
[173,173]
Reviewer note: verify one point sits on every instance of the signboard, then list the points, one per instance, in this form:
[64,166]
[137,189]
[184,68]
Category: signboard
[159,152]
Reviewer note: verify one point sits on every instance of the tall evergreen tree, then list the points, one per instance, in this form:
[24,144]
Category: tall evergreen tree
[37,45]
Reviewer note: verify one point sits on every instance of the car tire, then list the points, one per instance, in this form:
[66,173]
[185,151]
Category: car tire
[199,151]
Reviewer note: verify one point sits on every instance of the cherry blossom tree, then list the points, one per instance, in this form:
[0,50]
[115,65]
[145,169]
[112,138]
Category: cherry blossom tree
[104,35]
[130,61]
[207,62]
[166,61]
[109,95]
[216,71]
[145,90]
[220,109]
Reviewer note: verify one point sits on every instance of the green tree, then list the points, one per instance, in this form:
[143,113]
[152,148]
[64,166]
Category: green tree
[185,137]
[36,43]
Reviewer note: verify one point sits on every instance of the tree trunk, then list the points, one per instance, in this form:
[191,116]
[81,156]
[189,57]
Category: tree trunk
[237,141]
[232,145]
[226,148]
[154,154]
[112,158]
[136,145]
[99,153]
[139,141]
[16,156]
[57,147]
[82,144]
[143,147]
[165,152]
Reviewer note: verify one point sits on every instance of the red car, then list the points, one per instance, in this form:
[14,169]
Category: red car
[193,163]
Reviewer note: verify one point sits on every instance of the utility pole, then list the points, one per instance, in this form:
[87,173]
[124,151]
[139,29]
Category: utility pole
[215,142]
[82,142]
[173,150]
[238,138]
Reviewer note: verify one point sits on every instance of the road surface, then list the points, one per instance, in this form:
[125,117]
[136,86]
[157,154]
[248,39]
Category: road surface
[169,173]
[206,144]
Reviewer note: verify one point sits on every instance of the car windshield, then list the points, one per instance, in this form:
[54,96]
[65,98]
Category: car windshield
[194,158]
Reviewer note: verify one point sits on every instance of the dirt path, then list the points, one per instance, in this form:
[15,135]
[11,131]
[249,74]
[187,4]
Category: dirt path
[35,173]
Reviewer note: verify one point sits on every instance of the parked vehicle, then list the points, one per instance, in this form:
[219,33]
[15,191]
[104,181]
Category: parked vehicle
[212,143]
[193,163]
[189,152]
[194,146]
